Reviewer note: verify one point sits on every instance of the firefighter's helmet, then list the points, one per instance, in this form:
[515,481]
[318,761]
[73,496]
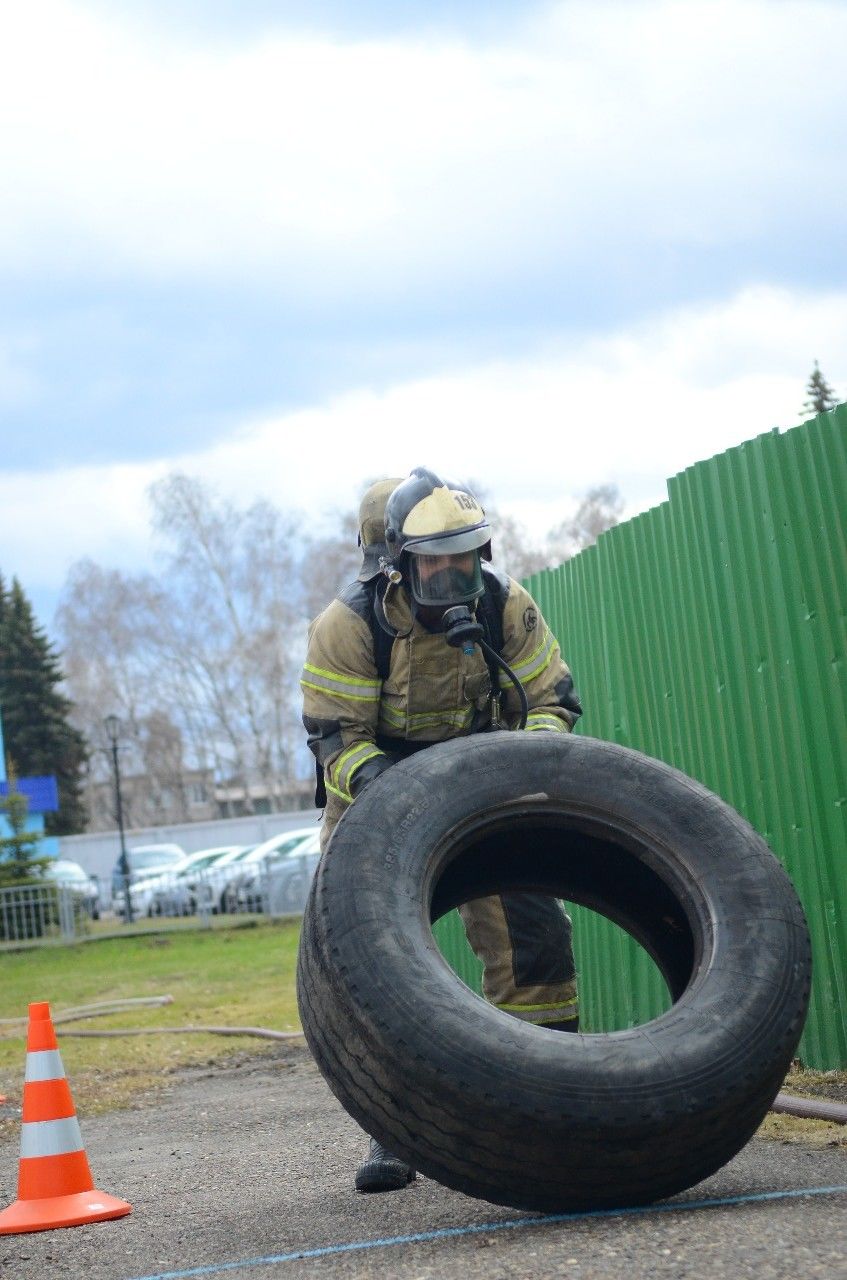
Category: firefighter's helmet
[435,532]
[372,526]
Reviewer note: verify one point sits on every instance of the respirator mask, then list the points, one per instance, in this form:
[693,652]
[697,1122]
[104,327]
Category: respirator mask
[438,581]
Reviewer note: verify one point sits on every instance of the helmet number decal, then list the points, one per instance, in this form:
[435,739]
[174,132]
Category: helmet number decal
[463,501]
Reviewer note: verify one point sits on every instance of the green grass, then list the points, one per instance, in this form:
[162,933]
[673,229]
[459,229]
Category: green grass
[217,977]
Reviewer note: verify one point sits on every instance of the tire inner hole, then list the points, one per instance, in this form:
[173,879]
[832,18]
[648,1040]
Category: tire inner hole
[580,861]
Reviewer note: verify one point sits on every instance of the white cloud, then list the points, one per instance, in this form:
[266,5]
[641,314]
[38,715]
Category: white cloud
[50,519]
[632,409]
[380,160]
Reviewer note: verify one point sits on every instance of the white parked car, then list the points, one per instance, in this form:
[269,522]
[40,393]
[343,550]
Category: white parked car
[167,892]
[84,888]
[145,860]
[259,859]
[280,884]
[214,881]
[190,885]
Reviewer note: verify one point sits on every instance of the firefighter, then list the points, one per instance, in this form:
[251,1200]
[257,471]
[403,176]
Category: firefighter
[381,681]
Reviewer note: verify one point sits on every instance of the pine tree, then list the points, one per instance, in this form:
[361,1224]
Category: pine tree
[38,736]
[821,397]
[19,858]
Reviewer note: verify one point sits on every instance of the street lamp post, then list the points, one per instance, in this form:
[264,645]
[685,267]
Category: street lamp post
[113,729]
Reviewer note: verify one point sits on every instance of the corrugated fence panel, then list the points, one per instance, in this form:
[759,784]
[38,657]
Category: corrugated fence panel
[710,632]
[450,936]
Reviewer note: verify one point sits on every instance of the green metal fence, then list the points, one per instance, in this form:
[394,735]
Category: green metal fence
[711,632]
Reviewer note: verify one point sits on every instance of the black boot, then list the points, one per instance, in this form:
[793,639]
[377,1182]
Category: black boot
[382,1171]
[571,1024]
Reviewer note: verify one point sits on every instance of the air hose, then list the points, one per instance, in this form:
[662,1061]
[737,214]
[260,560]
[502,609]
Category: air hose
[462,631]
[103,1008]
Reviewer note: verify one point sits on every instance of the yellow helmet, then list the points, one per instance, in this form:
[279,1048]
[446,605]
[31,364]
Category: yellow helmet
[435,532]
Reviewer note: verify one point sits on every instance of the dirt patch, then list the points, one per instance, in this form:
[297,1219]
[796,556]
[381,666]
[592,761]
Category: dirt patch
[818,1084]
[98,1093]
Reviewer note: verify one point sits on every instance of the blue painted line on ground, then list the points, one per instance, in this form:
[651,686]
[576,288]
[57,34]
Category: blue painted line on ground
[446,1233]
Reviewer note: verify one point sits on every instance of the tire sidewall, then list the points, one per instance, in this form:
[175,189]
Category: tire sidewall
[400,827]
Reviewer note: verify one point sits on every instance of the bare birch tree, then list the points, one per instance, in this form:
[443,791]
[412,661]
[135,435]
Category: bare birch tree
[233,602]
[599,510]
[520,555]
[330,563]
[105,619]
[201,661]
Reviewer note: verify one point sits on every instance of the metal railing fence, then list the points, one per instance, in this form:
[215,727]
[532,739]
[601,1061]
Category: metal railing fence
[36,912]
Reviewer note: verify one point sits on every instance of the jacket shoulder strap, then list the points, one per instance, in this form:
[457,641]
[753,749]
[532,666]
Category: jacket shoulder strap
[382,638]
[491,605]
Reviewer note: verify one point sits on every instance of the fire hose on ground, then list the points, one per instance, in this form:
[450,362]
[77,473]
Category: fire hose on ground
[785,1103]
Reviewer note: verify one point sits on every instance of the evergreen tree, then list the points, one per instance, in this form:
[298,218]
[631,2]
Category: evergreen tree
[20,862]
[821,397]
[38,736]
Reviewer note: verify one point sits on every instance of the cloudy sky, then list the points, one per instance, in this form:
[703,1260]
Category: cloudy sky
[287,244]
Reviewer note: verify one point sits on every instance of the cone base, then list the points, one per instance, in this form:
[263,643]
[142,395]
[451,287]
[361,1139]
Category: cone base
[61,1211]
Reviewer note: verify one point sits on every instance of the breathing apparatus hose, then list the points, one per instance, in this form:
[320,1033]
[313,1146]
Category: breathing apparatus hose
[494,656]
[462,631]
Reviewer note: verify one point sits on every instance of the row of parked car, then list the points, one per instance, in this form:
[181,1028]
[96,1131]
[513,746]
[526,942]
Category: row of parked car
[84,888]
[273,876]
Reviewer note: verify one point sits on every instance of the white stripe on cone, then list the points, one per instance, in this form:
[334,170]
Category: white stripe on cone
[50,1137]
[44,1064]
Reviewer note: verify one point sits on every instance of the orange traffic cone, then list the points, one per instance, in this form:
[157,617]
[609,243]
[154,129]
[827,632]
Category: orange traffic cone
[55,1188]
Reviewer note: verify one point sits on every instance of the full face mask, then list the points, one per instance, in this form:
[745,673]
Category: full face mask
[444,580]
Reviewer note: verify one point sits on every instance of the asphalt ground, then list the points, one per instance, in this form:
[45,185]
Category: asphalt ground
[246,1172]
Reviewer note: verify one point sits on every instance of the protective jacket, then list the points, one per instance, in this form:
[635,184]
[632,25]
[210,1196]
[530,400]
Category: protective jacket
[359,724]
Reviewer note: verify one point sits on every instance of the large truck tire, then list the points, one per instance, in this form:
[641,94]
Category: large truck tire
[515,1113]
